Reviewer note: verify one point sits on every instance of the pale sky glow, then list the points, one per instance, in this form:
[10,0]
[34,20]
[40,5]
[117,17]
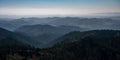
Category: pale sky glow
[40,11]
[50,11]
[57,7]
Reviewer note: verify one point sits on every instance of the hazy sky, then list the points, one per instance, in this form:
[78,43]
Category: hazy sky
[57,7]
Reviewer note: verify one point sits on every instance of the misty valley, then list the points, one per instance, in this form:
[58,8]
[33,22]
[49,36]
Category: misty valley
[60,38]
[59,29]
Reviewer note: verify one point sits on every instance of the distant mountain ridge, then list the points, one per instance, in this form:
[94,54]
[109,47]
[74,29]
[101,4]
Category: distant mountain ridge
[88,23]
[16,23]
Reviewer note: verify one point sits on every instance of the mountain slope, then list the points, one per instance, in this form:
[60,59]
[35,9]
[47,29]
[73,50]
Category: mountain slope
[90,45]
[45,33]
[8,38]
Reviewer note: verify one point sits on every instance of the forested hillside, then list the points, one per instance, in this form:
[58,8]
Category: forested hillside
[89,45]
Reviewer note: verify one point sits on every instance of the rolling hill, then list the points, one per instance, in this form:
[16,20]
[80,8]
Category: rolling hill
[88,45]
[8,38]
[44,34]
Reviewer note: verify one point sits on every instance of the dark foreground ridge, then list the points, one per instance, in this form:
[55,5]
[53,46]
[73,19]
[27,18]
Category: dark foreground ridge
[89,45]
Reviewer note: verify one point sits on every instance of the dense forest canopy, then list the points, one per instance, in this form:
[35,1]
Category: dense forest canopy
[88,45]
